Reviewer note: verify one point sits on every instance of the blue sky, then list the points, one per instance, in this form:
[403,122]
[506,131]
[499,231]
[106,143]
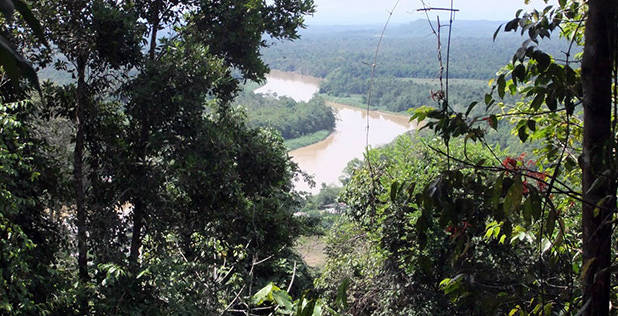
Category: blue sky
[348,12]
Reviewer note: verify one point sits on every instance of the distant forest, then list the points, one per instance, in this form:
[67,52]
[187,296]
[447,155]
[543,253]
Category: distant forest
[343,56]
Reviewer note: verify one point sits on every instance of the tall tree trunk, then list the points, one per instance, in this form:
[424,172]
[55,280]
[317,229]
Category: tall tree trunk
[153,40]
[136,238]
[598,183]
[78,181]
[139,205]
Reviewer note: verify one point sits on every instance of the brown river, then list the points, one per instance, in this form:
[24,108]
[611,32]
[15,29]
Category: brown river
[326,160]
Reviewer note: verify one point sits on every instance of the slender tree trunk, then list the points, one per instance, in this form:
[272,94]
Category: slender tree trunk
[598,182]
[153,40]
[78,181]
[136,238]
[139,205]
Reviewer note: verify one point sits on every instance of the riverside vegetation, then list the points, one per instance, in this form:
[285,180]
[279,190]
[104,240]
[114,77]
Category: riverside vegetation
[139,188]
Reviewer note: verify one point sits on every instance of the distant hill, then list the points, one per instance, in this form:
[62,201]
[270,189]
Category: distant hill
[417,28]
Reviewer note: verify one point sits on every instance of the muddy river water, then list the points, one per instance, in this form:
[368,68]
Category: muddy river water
[326,160]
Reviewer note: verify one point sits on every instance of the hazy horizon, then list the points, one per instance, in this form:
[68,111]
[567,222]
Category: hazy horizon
[368,12]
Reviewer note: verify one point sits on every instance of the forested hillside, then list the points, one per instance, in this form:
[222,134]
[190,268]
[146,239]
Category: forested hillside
[343,56]
[135,186]
[154,182]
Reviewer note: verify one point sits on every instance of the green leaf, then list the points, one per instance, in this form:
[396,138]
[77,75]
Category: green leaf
[308,309]
[497,31]
[519,72]
[537,101]
[488,99]
[512,200]
[532,125]
[511,25]
[342,296]
[445,282]
[421,113]
[523,134]
[497,192]
[501,85]
[542,59]
[142,273]
[394,187]
[283,299]
[317,309]
[470,107]
[262,295]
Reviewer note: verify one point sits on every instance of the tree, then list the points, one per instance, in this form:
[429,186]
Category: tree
[144,124]
[71,27]
[225,34]
[29,241]
[599,147]
[551,90]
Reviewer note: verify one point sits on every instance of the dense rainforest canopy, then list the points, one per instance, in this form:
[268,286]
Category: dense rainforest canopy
[137,185]
[136,188]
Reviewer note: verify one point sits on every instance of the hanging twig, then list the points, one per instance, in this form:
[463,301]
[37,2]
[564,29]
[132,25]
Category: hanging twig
[369,96]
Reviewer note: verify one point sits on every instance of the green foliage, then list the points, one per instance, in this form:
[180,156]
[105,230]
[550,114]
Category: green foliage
[405,75]
[408,51]
[353,259]
[323,208]
[399,94]
[306,140]
[28,240]
[447,240]
[12,62]
[304,306]
[179,206]
[292,119]
[533,206]
[185,204]
[248,21]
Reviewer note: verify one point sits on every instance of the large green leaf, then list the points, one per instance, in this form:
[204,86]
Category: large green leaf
[264,294]
[512,200]
[23,9]
[14,65]
[283,299]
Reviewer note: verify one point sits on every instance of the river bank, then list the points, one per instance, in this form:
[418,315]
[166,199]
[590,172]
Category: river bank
[306,140]
[313,138]
[325,155]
